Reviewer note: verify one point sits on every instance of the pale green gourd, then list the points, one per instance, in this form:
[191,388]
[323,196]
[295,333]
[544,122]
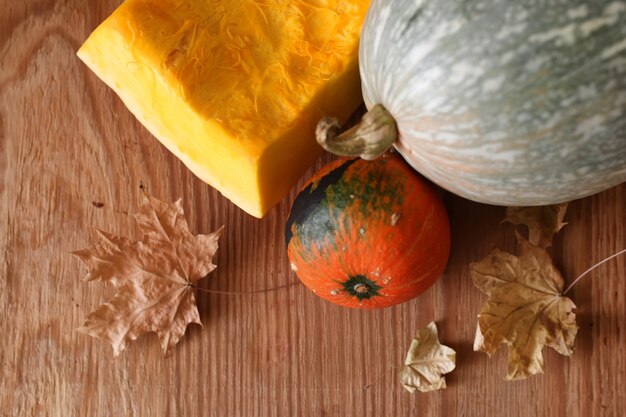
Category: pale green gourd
[502,102]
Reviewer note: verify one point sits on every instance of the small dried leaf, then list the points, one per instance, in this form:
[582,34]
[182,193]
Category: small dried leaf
[152,278]
[426,362]
[525,309]
[543,222]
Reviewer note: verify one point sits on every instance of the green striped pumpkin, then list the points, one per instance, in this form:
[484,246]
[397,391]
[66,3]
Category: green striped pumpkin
[499,101]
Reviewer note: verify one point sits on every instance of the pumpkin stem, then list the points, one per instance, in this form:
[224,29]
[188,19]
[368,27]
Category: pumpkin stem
[369,139]
[361,288]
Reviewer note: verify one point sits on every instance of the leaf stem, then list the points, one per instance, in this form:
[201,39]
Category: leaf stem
[243,292]
[615,255]
[379,377]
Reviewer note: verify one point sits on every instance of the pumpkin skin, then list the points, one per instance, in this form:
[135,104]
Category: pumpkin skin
[505,102]
[368,234]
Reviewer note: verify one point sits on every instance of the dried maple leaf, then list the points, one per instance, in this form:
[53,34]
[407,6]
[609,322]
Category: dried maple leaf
[426,362]
[543,222]
[526,308]
[153,278]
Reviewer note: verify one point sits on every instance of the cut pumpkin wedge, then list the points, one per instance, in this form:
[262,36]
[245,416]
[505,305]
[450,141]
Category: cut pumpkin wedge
[234,88]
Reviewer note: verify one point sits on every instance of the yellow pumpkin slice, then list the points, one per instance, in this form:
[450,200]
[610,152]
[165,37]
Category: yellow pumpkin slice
[234,88]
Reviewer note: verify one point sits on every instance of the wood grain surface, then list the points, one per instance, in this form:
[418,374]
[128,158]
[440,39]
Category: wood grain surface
[73,159]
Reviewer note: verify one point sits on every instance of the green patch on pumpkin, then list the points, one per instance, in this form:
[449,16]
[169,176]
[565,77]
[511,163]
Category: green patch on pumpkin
[318,215]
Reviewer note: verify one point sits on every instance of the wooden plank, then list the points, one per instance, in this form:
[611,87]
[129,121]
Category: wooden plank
[73,159]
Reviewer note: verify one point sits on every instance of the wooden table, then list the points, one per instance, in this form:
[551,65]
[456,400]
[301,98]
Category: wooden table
[73,159]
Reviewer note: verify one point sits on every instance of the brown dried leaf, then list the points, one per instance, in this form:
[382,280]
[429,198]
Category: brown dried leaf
[543,222]
[426,362]
[525,309]
[153,278]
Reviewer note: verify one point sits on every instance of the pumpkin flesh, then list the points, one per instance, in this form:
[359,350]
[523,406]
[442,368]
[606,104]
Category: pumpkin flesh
[233,89]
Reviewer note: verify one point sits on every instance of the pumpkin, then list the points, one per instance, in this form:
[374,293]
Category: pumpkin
[368,234]
[234,88]
[504,102]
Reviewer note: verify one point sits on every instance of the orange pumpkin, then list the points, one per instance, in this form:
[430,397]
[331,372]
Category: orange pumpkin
[368,234]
